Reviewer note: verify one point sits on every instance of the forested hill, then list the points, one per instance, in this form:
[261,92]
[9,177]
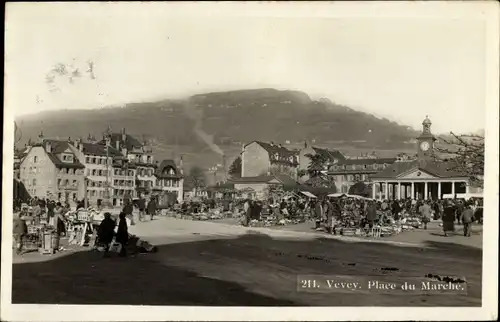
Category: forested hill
[229,118]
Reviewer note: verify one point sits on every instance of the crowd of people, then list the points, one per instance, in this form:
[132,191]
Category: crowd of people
[365,213]
[328,213]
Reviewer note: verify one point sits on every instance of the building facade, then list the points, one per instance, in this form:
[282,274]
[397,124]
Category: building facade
[350,171]
[260,158]
[423,178]
[140,158]
[98,161]
[169,182]
[50,169]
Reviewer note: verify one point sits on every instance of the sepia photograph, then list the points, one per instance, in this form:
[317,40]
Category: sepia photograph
[250,161]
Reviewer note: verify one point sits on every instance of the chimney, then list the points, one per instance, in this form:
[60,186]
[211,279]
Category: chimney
[117,145]
[124,135]
[80,147]
[124,151]
[69,139]
[48,147]
[305,144]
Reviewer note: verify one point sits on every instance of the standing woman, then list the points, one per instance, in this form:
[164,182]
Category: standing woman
[449,218]
[122,234]
[152,207]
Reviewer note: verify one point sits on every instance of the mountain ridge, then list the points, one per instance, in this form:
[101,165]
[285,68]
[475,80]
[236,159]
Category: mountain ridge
[225,120]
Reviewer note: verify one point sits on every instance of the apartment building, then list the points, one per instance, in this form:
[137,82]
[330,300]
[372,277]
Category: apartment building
[50,169]
[261,158]
[169,182]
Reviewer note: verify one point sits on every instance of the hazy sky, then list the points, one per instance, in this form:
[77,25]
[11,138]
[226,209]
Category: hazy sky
[397,67]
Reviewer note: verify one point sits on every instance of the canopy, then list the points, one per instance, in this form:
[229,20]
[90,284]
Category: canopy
[337,195]
[308,194]
[469,195]
[344,195]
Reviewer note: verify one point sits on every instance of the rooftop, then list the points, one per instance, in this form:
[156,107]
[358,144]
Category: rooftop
[441,169]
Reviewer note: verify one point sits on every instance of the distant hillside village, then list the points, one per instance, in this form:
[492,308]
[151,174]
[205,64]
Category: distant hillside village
[119,166]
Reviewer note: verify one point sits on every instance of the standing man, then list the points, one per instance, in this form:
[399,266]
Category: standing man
[20,231]
[329,216]
[319,214]
[460,209]
[141,204]
[371,214]
[467,219]
[425,210]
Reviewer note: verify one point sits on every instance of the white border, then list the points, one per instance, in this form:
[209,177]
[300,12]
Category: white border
[487,11]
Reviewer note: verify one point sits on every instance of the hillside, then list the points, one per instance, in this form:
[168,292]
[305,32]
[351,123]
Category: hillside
[228,119]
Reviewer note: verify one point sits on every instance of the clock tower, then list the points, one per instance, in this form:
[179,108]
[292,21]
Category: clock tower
[425,142]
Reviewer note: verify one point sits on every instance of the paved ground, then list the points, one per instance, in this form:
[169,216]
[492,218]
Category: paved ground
[206,263]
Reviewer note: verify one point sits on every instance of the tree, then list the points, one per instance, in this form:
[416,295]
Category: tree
[235,168]
[466,155]
[318,163]
[197,177]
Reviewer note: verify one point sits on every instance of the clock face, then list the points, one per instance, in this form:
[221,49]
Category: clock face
[424,146]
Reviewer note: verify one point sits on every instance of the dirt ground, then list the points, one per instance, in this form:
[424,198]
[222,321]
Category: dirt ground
[206,263]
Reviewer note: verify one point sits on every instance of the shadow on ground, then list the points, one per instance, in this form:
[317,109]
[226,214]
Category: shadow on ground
[251,270]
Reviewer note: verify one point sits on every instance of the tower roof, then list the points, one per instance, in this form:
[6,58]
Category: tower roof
[427,121]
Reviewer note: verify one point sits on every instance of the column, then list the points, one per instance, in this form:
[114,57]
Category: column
[380,191]
[439,190]
[399,190]
[413,190]
[386,190]
[426,191]
[453,189]
[374,188]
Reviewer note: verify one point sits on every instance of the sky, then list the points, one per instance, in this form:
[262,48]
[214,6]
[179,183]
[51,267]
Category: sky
[399,66]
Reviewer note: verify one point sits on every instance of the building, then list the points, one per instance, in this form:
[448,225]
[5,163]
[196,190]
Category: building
[169,182]
[264,159]
[50,169]
[140,157]
[18,157]
[98,160]
[423,178]
[350,171]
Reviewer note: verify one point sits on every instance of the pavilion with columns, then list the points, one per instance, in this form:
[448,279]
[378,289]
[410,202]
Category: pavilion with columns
[423,178]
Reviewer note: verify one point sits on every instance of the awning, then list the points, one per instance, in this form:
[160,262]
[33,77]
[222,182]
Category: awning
[337,195]
[308,194]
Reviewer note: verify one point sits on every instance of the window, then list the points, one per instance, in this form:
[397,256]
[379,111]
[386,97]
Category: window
[34,182]
[58,182]
[35,159]
[375,166]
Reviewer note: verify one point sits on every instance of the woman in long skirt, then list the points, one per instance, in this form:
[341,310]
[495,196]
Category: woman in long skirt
[449,219]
